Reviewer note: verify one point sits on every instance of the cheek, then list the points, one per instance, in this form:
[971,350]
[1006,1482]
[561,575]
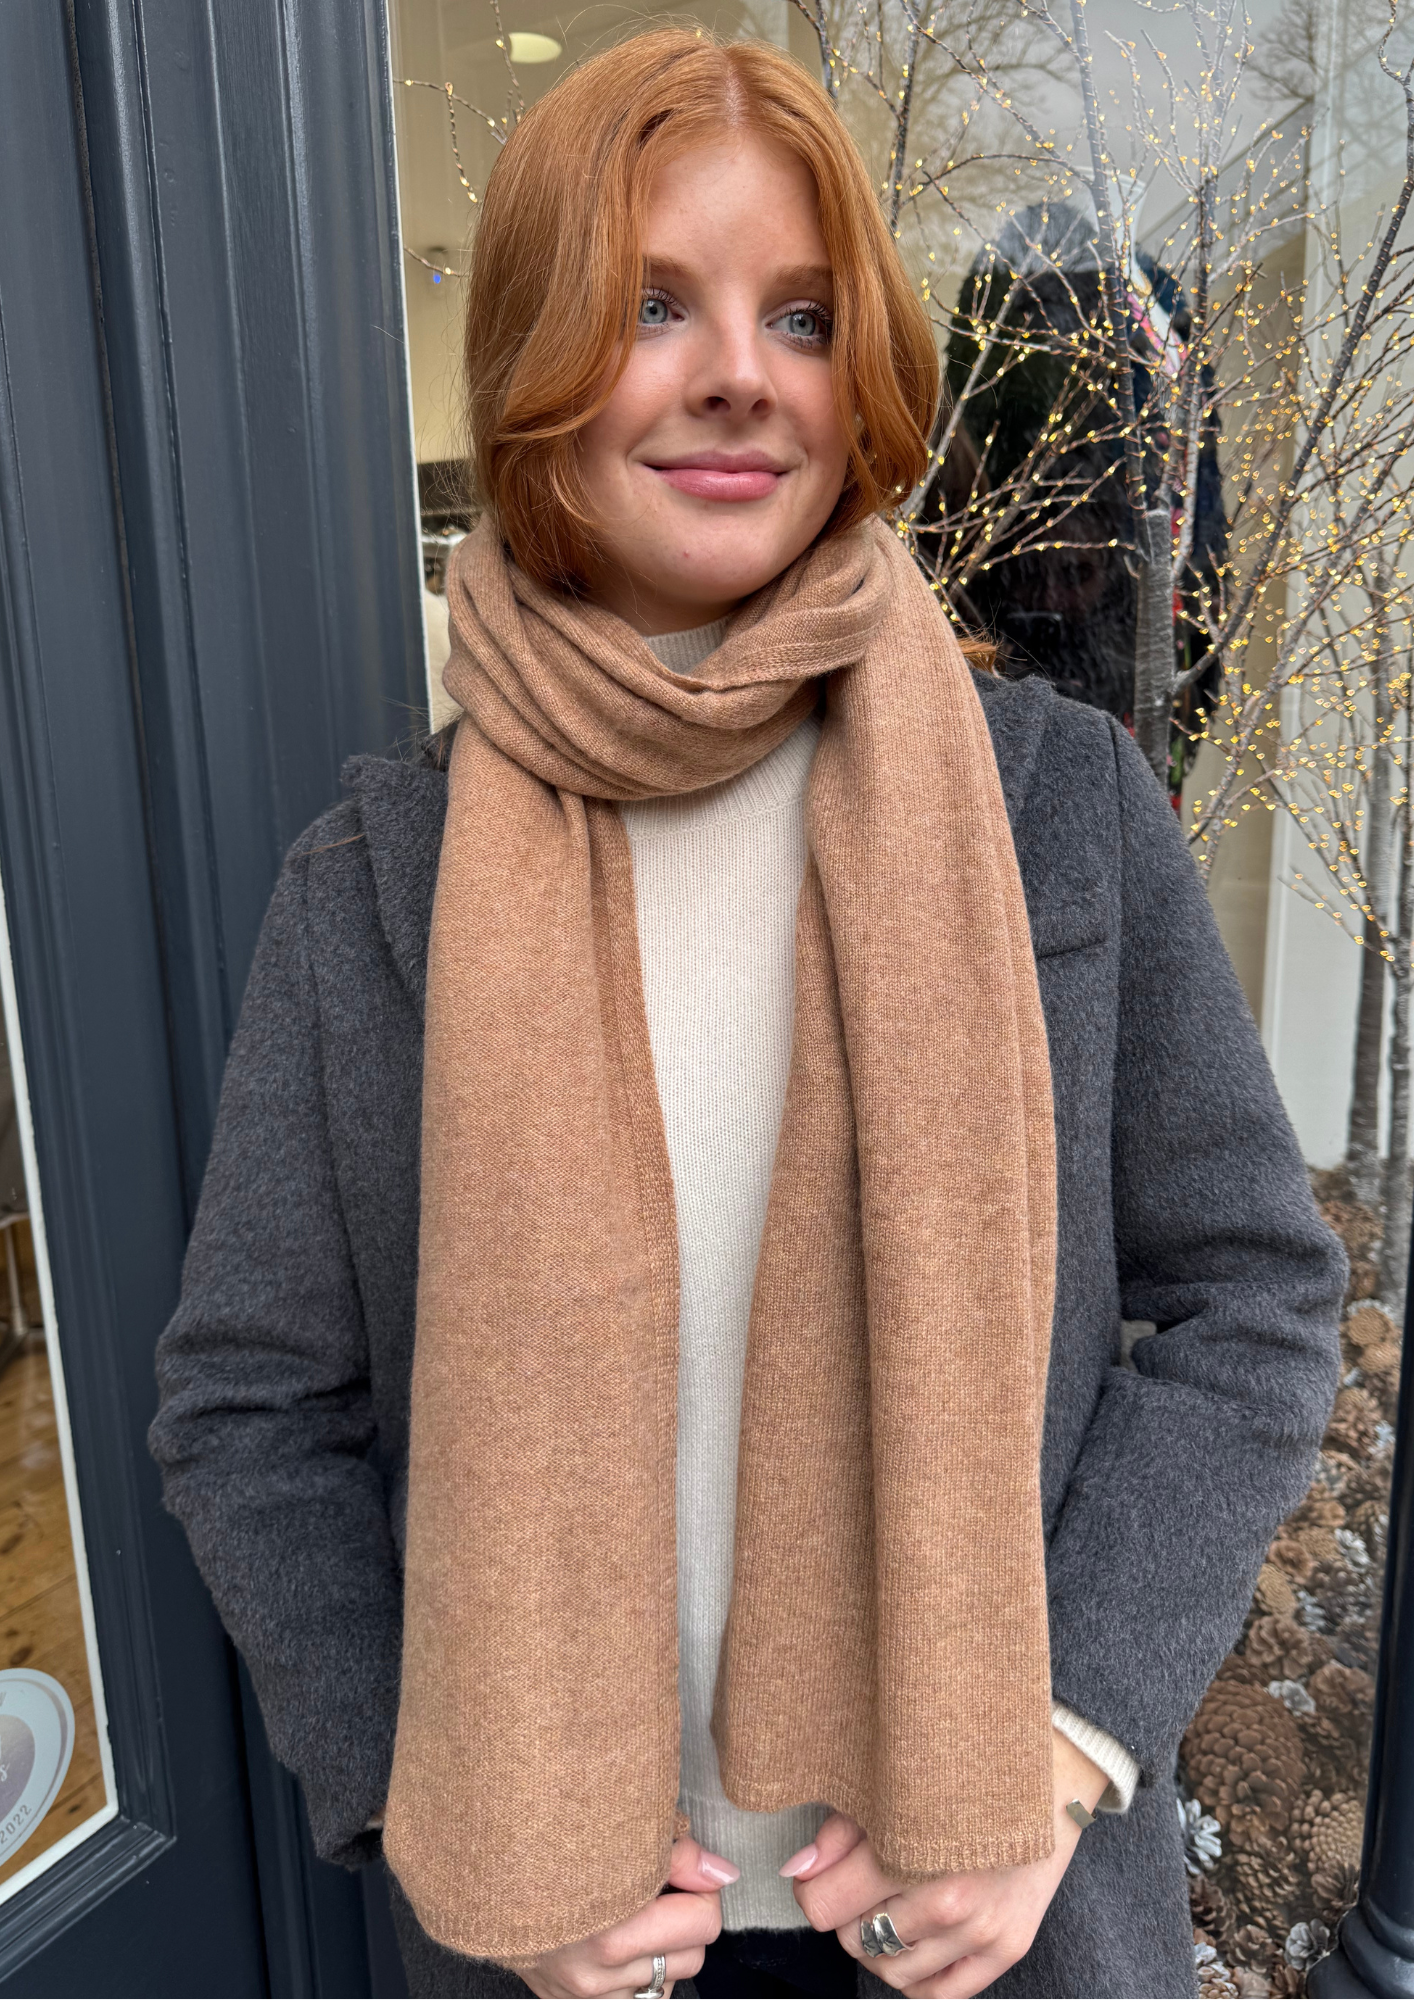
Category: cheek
[819,425]
[625,420]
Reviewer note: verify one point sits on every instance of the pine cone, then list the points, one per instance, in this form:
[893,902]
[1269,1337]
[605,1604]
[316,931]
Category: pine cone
[1324,1830]
[1287,1982]
[1334,1468]
[1329,1766]
[1336,1737]
[1344,1597]
[1346,1695]
[1320,1509]
[1364,1279]
[1291,1557]
[1274,1592]
[1243,1748]
[1215,1982]
[1266,1887]
[1356,1643]
[1329,1839]
[1368,1327]
[1381,1359]
[1282,1650]
[1255,1947]
[1353,1423]
[1358,1227]
[1320,1544]
[1381,1369]
[1335,1889]
[1370,1521]
[1370,1481]
[1253,1833]
[1210,1910]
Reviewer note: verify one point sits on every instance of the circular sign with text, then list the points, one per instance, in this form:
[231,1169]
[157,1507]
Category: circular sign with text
[36,1743]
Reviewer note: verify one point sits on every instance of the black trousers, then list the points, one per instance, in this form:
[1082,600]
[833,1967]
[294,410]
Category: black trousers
[757,1965]
[747,1963]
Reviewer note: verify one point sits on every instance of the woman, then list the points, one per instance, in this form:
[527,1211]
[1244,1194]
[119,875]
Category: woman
[810,1051]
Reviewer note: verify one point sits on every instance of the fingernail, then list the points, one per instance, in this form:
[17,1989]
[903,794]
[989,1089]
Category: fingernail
[798,1863]
[717,1869]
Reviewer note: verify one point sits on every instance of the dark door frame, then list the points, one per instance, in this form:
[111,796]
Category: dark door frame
[209,596]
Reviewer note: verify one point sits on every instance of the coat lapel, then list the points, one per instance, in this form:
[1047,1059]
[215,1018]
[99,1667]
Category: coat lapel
[1017,713]
[402,807]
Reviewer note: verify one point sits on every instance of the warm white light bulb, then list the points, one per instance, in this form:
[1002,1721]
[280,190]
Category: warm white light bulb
[534,48]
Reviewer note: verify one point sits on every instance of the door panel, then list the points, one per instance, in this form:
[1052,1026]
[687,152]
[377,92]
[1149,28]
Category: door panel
[90,1011]
[208,598]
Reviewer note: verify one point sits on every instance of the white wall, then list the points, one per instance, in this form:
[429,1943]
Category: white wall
[1309,998]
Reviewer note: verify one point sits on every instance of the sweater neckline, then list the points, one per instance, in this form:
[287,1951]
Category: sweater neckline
[680,652]
[777,780]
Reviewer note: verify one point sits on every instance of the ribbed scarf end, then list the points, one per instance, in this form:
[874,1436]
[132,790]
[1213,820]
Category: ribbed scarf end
[520,1930]
[1030,1835]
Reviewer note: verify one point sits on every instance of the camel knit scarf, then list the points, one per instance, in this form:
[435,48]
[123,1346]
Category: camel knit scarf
[886,1648]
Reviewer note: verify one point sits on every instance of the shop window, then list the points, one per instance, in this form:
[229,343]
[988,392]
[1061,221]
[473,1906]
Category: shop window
[1169,473]
[56,1777]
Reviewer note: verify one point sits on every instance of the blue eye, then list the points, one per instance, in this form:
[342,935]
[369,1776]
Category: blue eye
[807,325]
[653,312]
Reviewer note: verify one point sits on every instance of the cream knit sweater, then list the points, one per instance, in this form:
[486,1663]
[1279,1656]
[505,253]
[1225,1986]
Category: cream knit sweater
[717,875]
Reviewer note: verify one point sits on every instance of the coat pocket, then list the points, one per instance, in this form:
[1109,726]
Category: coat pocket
[1070,925]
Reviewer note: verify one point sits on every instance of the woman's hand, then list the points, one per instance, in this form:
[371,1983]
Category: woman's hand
[618,1962]
[963,1929]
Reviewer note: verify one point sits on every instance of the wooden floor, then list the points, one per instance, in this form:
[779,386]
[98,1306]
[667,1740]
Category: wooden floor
[40,1621]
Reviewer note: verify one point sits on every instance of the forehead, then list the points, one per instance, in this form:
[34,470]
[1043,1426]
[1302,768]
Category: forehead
[739,202]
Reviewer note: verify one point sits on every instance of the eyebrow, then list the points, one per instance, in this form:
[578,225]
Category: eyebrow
[794,278]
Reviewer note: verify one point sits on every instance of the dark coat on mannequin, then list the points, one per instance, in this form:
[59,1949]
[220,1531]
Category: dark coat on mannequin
[1183,1201]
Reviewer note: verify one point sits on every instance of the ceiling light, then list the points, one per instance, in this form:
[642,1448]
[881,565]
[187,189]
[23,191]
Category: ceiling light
[534,48]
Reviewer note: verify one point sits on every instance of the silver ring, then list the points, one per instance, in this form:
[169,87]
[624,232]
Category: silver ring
[654,1990]
[877,1934]
[888,1937]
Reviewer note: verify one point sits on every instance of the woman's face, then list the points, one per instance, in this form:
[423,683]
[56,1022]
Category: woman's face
[719,456]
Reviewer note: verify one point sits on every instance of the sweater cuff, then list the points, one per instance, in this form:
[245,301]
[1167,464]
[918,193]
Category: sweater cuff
[1102,1749]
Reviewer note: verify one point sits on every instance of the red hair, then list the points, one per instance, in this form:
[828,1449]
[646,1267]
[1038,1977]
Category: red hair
[557,276]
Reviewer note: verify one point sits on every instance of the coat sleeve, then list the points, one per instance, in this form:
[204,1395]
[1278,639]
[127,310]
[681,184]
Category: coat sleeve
[1196,1453]
[265,1424]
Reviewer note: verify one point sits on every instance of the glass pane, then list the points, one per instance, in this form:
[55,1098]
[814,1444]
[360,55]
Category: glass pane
[56,1782]
[1169,474]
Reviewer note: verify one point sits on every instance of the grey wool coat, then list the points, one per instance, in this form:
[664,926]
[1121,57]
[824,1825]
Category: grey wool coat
[284,1373]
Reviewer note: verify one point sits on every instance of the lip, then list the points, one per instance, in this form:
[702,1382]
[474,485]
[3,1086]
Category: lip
[722,475]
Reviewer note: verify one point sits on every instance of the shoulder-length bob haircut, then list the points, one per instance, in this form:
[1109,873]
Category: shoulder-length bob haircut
[557,277]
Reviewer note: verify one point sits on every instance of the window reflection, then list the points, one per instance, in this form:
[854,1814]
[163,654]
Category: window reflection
[55,1787]
[1288,750]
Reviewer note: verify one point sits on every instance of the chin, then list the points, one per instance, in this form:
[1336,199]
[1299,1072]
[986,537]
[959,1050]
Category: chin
[741,572]
[731,586]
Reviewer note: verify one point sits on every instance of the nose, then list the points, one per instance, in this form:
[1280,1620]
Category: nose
[733,377]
